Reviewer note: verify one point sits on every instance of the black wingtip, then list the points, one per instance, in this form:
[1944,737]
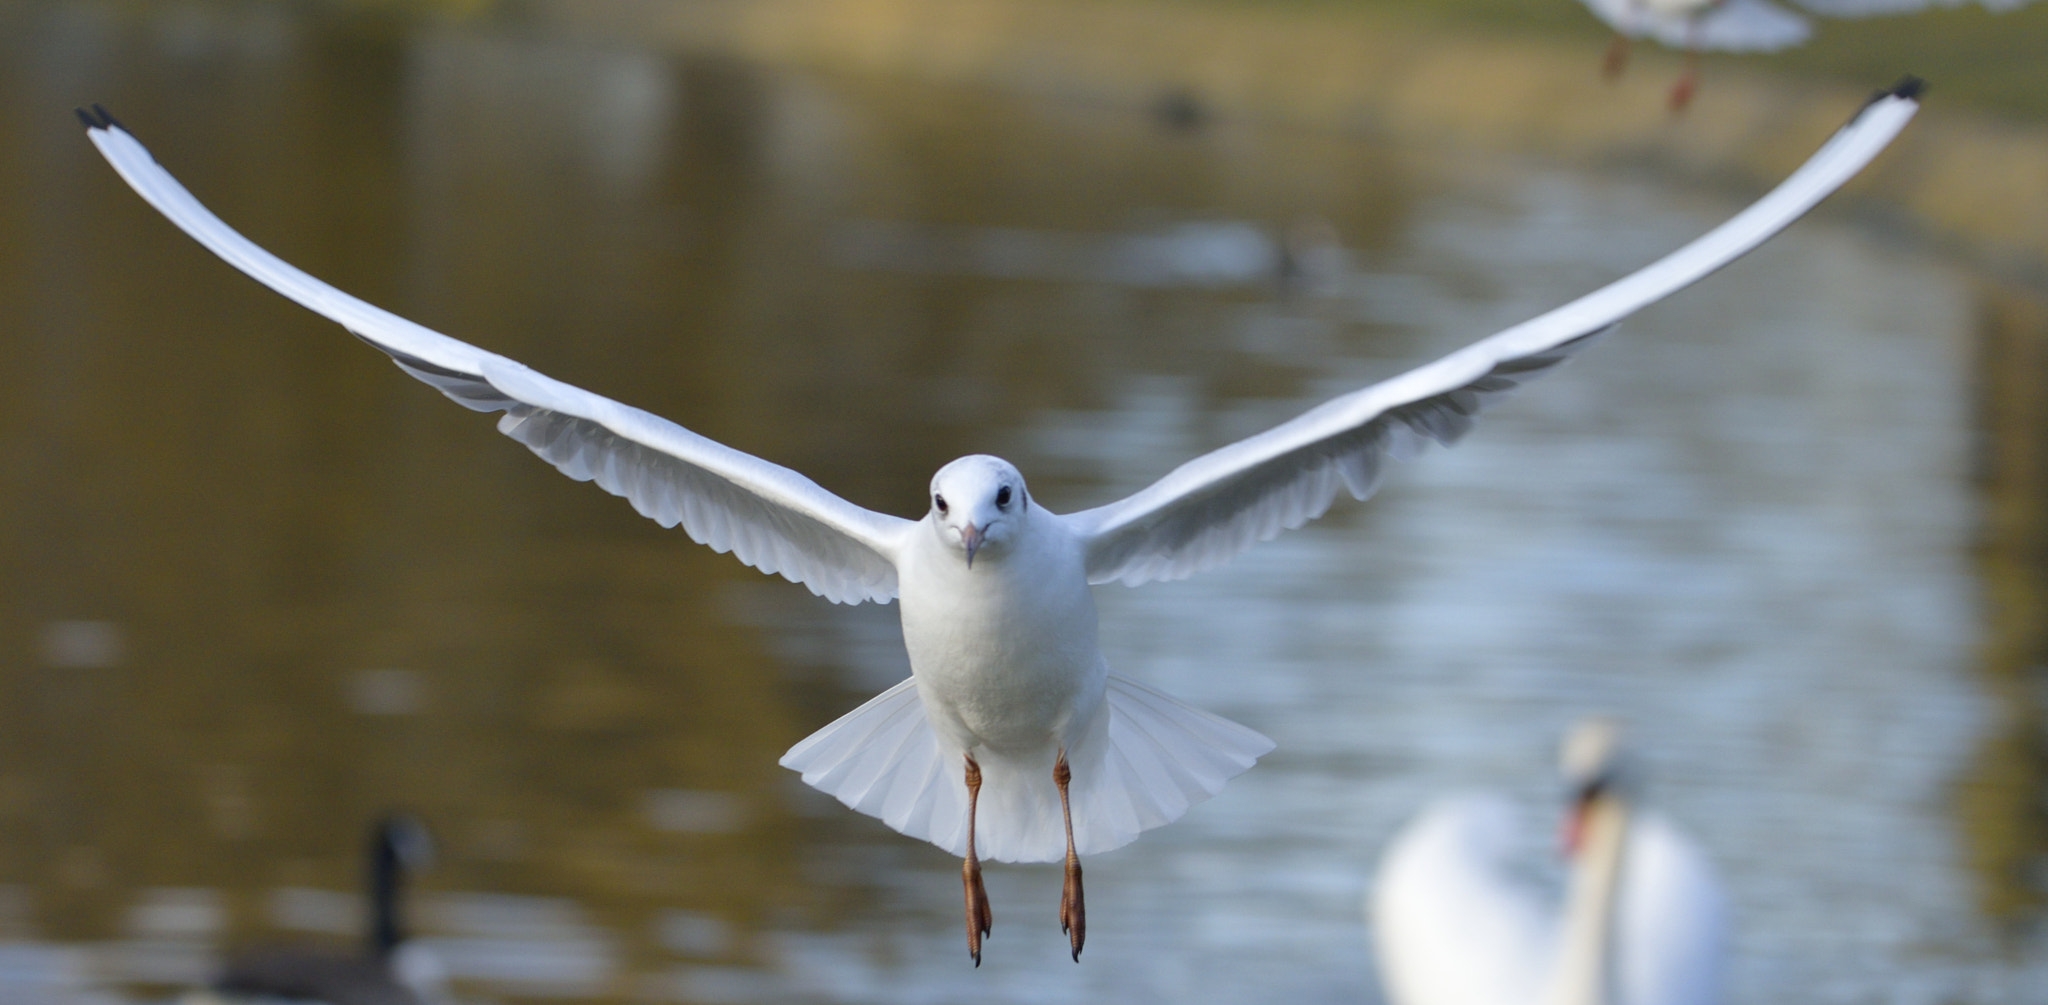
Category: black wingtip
[1908,87]
[97,118]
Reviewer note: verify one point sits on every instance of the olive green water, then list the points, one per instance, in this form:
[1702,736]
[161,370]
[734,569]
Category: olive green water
[264,587]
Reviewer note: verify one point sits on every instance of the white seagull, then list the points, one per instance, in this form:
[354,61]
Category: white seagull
[1644,921]
[1008,694]
[1734,26]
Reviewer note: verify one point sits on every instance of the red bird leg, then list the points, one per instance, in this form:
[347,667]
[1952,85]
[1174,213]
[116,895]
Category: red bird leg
[1073,913]
[979,918]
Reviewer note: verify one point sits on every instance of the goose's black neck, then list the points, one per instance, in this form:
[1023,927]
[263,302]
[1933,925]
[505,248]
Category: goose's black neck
[387,875]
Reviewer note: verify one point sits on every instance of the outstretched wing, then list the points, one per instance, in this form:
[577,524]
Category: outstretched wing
[1209,509]
[768,516]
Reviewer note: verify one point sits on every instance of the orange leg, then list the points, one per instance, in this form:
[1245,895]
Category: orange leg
[1616,59]
[1689,79]
[1073,913]
[979,918]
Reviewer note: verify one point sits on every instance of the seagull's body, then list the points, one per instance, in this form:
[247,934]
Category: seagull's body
[1004,651]
[1643,922]
[1009,696]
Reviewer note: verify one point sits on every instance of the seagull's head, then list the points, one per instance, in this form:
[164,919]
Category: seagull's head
[978,502]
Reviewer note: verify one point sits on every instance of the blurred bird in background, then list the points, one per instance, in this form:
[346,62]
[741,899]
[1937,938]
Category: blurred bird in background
[387,970]
[1694,26]
[1643,920]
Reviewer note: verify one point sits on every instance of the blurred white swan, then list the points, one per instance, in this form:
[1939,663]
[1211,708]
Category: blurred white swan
[1735,26]
[1643,922]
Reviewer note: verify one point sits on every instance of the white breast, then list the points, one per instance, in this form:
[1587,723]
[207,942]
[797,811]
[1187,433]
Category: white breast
[1004,652]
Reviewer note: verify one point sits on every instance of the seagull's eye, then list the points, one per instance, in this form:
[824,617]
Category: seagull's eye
[1003,497]
[940,502]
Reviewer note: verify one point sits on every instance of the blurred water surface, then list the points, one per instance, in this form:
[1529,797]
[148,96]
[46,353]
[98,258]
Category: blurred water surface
[264,586]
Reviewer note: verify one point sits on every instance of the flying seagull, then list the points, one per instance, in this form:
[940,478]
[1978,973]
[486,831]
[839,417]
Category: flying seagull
[1694,25]
[1734,26]
[1644,919]
[1009,697]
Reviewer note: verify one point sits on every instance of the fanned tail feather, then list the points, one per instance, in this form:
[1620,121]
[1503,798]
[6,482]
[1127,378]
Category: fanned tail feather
[1144,762]
[883,760]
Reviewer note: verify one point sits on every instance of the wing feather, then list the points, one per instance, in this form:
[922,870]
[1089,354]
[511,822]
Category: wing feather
[1213,507]
[766,515]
